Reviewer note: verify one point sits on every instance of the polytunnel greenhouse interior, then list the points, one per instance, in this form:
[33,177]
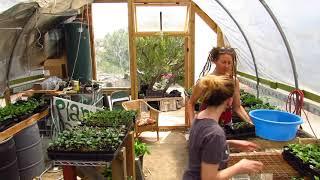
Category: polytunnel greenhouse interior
[159,89]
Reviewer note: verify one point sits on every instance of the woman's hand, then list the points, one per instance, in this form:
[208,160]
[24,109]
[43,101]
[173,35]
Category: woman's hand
[249,166]
[243,145]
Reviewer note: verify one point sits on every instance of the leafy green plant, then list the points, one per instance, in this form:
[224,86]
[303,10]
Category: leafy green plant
[308,153]
[20,108]
[296,178]
[86,139]
[140,148]
[241,125]
[160,60]
[244,95]
[113,118]
[262,106]
[107,173]
[250,102]
[188,91]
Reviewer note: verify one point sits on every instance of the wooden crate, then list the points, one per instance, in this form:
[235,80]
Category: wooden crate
[56,67]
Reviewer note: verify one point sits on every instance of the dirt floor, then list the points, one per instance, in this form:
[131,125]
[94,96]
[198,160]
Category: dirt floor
[168,158]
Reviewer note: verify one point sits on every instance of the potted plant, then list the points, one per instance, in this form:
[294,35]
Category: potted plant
[140,149]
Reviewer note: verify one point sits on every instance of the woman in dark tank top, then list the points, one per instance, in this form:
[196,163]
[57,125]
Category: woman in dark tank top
[208,147]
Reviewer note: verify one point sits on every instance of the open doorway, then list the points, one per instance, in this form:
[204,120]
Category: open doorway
[160,55]
[160,69]
[161,49]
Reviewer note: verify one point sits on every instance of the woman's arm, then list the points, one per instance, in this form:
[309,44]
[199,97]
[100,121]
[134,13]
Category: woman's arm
[210,171]
[236,105]
[243,145]
[196,94]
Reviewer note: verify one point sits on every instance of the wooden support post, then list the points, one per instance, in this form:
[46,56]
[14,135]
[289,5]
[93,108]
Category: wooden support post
[69,173]
[132,50]
[119,169]
[186,62]
[220,41]
[186,117]
[130,156]
[7,96]
[191,49]
[205,17]
[162,1]
[92,47]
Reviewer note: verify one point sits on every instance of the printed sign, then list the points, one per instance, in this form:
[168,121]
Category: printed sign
[70,113]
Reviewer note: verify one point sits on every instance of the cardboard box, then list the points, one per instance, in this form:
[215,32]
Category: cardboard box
[56,67]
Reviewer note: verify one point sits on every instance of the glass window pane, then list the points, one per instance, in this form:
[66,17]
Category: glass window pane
[173,18]
[111,43]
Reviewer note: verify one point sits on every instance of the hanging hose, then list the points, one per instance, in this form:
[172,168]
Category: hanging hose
[296,98]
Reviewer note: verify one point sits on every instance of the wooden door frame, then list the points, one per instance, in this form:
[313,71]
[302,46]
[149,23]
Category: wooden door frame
[188,34]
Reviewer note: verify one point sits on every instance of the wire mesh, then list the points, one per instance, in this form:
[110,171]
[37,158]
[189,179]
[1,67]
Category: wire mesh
[273,164]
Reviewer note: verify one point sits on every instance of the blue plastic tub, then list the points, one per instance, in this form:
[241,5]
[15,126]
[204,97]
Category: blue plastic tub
[275,125]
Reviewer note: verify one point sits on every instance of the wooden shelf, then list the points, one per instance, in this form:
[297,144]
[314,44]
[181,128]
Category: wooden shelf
[30,92]
[22,125]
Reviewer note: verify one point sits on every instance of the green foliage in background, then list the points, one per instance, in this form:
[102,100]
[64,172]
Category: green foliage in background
[112,53]
[159,56]
[159,59]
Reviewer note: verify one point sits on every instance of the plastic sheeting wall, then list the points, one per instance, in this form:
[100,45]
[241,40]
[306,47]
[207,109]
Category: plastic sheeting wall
[9,39]
[273,63]
[301,24]
[20,42]
[205,40]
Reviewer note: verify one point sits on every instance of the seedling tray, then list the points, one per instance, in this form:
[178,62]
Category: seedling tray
[7,124]
[303,168]
[241,133]
[86,156]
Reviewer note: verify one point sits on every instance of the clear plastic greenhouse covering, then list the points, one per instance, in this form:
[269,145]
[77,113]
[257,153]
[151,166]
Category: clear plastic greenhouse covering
[205,39]
[21,52]
[300,22]
[173,18]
